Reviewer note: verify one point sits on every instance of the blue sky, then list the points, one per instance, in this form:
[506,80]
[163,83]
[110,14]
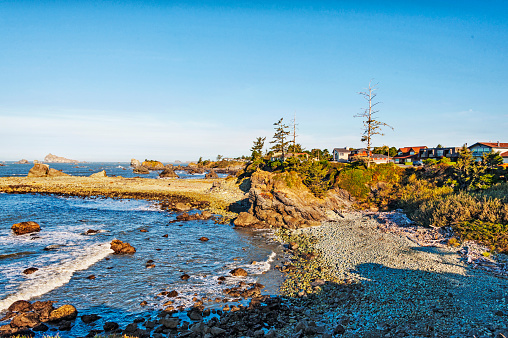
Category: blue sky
[116,80]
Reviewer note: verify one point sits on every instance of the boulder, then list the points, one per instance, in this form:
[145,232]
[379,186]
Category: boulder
[110,326]
[39,170]
[120,247]
[64,312]
[238,272]
[204,239]
[20,306]
[87,319]
[25,228]
[29,271]
[141,170]
[211,174]
[27,319]
[100,174]
[168,173]
[56,173]
[247,220]
[179,206]
[153,165]
[23,161]
[135,163]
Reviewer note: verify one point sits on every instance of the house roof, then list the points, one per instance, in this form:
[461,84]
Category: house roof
[492,144]
[341,150]
[505,154]
[404,156]
[379,156]
[408,149]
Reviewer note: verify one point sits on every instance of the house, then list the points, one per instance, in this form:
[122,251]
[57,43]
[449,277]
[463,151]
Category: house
[361,152]
[278,156]
[380,158]
[480,148]
[376,158]
[341,154]
[451,153]
[408,154]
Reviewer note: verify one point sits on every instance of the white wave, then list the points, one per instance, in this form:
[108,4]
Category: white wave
[257,268]
[55,275]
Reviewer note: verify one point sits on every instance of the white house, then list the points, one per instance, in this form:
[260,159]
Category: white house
[480,148]
[341,154]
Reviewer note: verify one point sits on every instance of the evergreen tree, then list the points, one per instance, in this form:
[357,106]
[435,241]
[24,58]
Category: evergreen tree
[280,138]
[257,147]
[469,174]
[492,159]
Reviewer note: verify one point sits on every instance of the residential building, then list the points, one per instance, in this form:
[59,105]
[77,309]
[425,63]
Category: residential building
[451,153]
[480,148]
[341,154]
[408,154]
[376,158]
[278,156]
[380,158]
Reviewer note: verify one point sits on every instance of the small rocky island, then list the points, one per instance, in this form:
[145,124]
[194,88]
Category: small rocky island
[50,158]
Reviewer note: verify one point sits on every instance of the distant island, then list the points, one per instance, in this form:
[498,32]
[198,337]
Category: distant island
[50,158]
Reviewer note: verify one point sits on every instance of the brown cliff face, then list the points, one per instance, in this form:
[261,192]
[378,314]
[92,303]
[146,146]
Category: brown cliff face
[282,200]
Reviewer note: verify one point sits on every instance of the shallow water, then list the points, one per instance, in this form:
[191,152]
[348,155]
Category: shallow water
[65,256]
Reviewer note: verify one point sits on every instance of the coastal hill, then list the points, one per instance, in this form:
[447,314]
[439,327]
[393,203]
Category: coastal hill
[50,158]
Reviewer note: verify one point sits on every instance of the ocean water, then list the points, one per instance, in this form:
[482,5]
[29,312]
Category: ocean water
[65,256]
[86,169]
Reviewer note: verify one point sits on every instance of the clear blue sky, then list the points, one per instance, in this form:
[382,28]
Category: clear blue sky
[167,80]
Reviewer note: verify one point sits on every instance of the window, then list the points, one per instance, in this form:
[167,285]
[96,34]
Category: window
[439,153]
[411,152]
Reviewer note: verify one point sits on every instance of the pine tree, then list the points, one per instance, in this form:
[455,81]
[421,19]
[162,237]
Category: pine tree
[257,147]
[280,138]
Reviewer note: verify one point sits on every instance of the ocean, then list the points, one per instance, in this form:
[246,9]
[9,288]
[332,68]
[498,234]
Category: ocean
[66,256]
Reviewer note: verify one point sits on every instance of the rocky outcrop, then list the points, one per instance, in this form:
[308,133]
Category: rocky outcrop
[211,174]
[50,158]
[135,163]
[121,248]
[64,312]
[43,170]
[25,228]
[39,170]
[282,200]
[238,272]
[168,173]
[205,215]
[140,170]
[153,165]
[23,161]
[100,174]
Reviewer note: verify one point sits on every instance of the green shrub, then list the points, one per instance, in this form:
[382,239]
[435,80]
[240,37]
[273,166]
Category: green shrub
[494,235]
[355,181]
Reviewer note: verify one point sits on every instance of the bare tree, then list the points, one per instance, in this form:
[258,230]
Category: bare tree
[371,126]
[294,124]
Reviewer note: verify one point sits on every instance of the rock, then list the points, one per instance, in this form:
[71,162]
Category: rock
[43,309]
[29,271]
[339,330]
[91,232]
[181,207]
[110,326]
[39,170]
[168,173]
[121,248]
[87,319]
[170,323]
[100,174]
[246,219]
[184,277]
[23,161]
[40,327]
[152,165]
[217,331]
[64,325]
[64,312]
[28,319]
[211,174]
[143,303]
[172,294]
[141,170]
[135,163]
[206,215]
[50,158]
[204,239]
[239,272]
[195,314]
[25,228]
[56,173]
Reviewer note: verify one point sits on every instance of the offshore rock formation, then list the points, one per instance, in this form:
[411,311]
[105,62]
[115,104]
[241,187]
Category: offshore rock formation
[153,165]
[25,228]
[121,248]
[168,172]
[50,158]
[43,170]
[282,200]
[135,163]
[23,161]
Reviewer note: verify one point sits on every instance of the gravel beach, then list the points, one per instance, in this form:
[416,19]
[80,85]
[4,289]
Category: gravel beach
[406,290]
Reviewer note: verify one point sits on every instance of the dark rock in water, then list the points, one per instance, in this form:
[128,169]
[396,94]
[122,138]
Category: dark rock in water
[91,277]
[143,303]
[239,272]
[93,333]
[65,325]
[20,306]
[339,329]
[143,230]
[25,228]
[29,271]
[91,232]
[195,314]
[172,294]
[165,236]
[52,247]
[40,328]
[43,309]
[110,326]
[87,319]
[211,174]
[204,239]
[64,312]
[120,247]
[170,323]
[184,277]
